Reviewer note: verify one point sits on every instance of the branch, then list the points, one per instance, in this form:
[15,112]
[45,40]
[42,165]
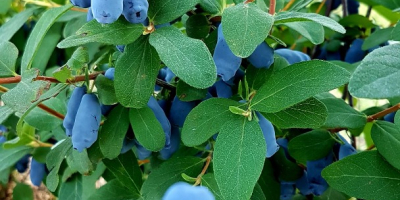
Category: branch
[272,5]
[17,79]
[208,161]
[373,117]
[51,111]
[288,5]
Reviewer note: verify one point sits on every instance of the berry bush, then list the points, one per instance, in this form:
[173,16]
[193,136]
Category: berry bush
[201,99]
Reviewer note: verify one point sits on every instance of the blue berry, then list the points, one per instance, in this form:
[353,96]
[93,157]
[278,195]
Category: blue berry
[355,53]
[135,11]
[72,109]
[110,73]
[262,57]
[107,11]
[161,117]
[37,173]
[81,3]
[87,123]
[226,62]
[179,111]
[292,56]
[182,190]
[269,135]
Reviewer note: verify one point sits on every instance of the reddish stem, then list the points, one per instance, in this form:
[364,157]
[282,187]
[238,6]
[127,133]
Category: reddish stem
[272,5]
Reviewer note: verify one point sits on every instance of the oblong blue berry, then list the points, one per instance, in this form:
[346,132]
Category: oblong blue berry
[226,62]
[87,123]
[269,135]
[262,57]
[107,11]
[72,109]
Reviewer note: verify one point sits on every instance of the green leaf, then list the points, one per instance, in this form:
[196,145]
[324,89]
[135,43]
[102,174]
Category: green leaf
[5,112]
[47,47]
[235,171]
[391,4]
[245,26]
[197,26]
[365,175]
[80,162]
[386,137]
[53,162]
[135,73]
[378,37]
[62,74]
[8,157]
[236,110]
[357,21]
[72,189]
[285,169]
[331,193]
[79,58]
[397,119]
[296,83]
[195,65]
[340,114]
[310,146]
[43,120]
[162,11]
[113,190]
[310,113]
[113,132]
[8,29]
[212,6]
[268,181]
[117,33]
[168,173]
[284,17]
[38,33]
[186,92]
[395,32]
[256,77]
[8,58]
[126,169]
[209,181]
[311,30]
[368,80]
[258,194]
[105,90]
[206,119]
[147,128]
[22,192]
[20,98]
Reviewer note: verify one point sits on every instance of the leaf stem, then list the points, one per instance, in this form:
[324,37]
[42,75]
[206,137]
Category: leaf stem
[373,117]
[272,5]
[208,161]
[51,111]
[290,3]
[17,79]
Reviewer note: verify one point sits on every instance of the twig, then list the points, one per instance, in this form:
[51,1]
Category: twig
[51,111]
[344,6]
[17,79]
[290,3]
[373,117]
[272,5]
[208,161]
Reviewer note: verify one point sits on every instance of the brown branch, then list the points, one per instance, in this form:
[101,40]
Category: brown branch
[51,111]
[272,5]
[383,113]
[373,117]
[208,161]
[371,147]
[288,5]
[248,1]
[17,79]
